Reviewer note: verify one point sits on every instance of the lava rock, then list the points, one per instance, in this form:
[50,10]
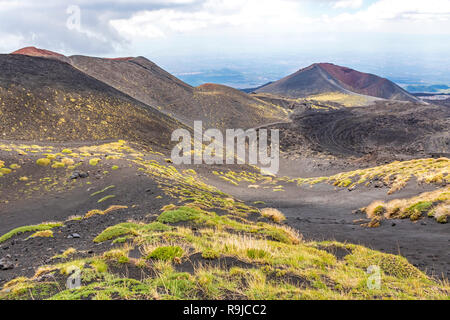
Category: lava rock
[84,175]
[378,184]
[79,175]
[6,264]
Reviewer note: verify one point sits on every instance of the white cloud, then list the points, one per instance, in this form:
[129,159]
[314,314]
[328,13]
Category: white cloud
[286,17]
[400,17]
[256,15]
[10,42]
[108,25]
[407,9]
[348,4]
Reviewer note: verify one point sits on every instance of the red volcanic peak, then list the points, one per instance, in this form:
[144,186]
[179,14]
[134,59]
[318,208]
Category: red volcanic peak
[33,51]
[360,82]
[327,77]
[346,75]
[209,86]
[120,59]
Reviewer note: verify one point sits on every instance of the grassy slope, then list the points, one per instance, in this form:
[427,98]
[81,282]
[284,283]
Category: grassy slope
[395,175]
[344,99]
[211,246]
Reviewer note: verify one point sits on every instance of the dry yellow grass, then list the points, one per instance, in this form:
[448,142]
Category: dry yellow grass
[374,209]
[441,212]
[273,214]
[102,212]
[68,161]
[341,98]
[43,234]
[395,175]
[435,204]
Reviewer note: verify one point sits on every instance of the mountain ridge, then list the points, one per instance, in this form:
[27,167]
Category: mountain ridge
[219,106]
[324,77]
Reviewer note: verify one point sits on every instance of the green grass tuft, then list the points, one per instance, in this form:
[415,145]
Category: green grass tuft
[256,253]
[106,198]
[103,190]
[24,229]
[179,215]
[166,253]
[129,228]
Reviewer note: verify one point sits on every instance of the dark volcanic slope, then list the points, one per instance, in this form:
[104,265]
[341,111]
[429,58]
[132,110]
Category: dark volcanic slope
[309,81]
[139,78]
[388,131]
[46,99]
[148,83]
[225,107]
[327,77]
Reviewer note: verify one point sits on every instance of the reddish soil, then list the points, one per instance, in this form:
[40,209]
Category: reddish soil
[33,51]
[121,59]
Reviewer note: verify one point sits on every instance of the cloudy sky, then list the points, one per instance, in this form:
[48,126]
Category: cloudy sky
[407,40]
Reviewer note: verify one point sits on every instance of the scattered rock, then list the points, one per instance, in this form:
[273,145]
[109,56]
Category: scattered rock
[378,184]
[6,264]
[76,236]
[79,175]
[74,176]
